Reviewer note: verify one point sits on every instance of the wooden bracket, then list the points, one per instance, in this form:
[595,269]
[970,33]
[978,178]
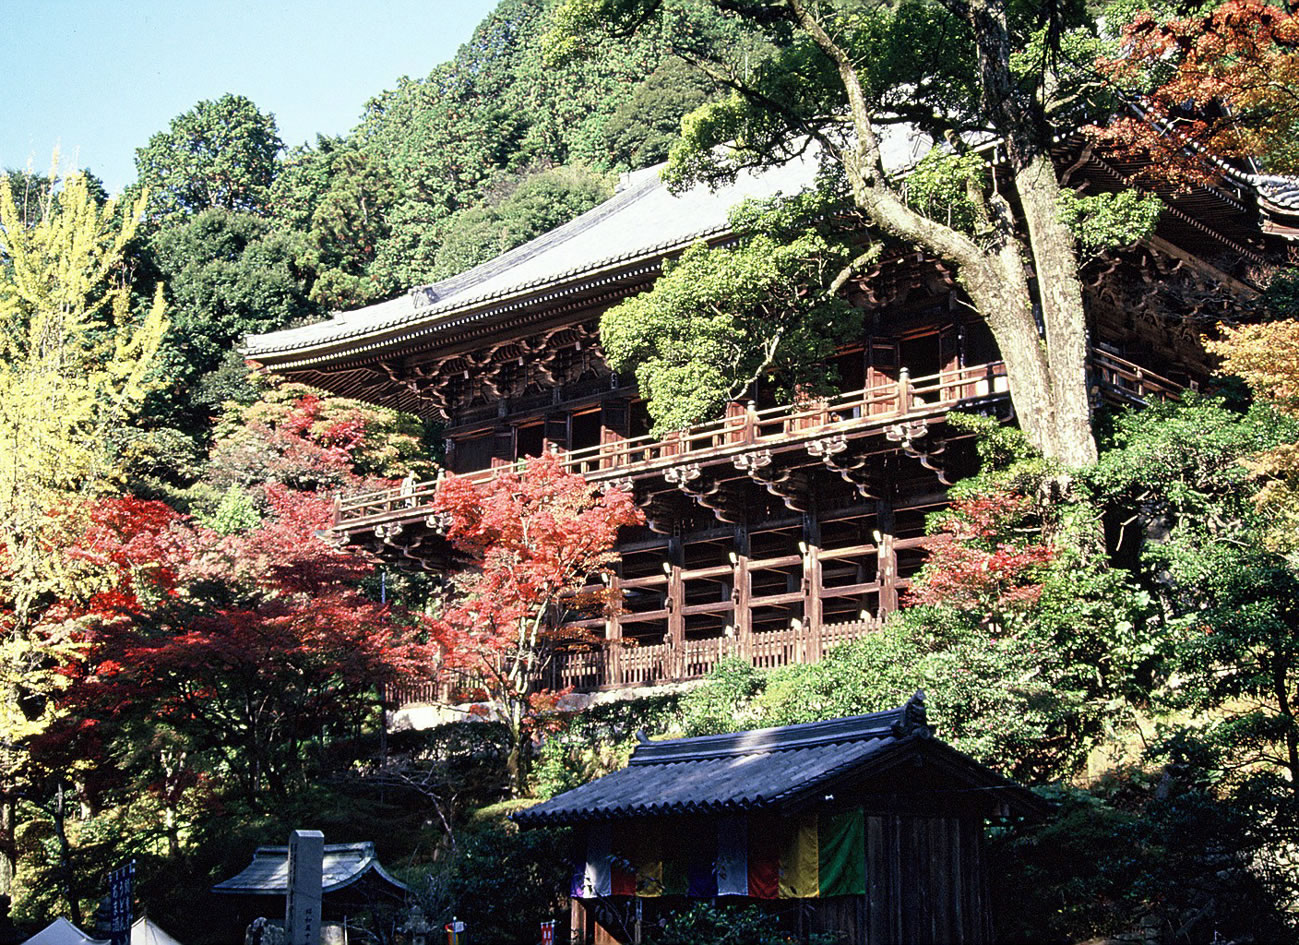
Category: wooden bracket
[783,484]
[706,493]
[850,469]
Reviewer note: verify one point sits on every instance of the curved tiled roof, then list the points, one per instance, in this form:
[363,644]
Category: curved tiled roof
[1277,190]
[642,221]
[755,770]
[343,864]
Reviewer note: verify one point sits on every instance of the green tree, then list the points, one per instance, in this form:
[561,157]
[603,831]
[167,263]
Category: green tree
[720,320]
[1178,475]
[844,74]
[227,274]
[641,129]
[538,204]
[340,198]
[219,154]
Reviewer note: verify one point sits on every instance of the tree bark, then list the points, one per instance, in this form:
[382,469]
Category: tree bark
[1046,365]
[8,846]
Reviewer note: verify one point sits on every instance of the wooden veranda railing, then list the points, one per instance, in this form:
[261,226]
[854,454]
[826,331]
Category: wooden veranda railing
[878,406]
[1125,381]
[622,665]
[855,411]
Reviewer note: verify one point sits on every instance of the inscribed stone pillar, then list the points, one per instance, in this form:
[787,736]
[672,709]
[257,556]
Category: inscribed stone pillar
[306,876]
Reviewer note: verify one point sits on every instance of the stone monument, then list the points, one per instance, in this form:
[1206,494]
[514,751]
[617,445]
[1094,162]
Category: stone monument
[302,905]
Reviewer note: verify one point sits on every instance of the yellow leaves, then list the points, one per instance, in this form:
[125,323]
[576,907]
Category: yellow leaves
[1266,356]
[74,363]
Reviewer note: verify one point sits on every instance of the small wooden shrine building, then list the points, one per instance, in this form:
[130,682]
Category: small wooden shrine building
[352,881]
[865,826]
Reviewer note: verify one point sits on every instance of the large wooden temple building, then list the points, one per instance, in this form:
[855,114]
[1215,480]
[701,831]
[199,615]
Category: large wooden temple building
[776,530]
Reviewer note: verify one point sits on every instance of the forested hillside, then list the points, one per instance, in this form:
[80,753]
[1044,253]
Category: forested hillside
[1107,613]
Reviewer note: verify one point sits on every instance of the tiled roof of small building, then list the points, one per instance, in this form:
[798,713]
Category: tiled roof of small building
[1278,190]
[343,865]
[773,768]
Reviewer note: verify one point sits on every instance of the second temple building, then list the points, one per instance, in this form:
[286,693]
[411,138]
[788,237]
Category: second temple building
[776,530]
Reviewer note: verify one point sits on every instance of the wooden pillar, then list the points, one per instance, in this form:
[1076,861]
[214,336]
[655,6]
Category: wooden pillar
[812,585]
[502,445]
[556,430]
[613,633]
[887,567]
[742,594]
[577,922]
[737,413]
[676,599]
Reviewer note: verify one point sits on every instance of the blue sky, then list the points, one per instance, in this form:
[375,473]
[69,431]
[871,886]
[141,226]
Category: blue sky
[99,78]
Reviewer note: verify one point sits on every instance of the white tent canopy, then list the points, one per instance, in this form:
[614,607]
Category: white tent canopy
[63,932]
[145,932]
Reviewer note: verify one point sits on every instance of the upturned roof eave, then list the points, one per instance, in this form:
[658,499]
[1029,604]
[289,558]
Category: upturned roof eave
[363,341]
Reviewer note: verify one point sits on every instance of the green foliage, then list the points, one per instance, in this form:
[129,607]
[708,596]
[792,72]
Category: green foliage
[501,881]
[641,129]
[1280,299]
[338,199]
[236,513]
[599,740]
[228,275]
[720,320]
[220,154]
[940,185]
[1181,462]
[704,923]
[1160,855]
[725,702]
[1109,221]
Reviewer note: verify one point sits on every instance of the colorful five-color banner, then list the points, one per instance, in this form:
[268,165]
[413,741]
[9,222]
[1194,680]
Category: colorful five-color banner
[800,857]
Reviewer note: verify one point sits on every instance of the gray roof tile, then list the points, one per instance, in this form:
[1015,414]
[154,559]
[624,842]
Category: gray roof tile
[343,865]
[643,220]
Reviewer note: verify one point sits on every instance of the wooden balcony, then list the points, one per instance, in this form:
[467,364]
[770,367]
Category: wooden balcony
[789,426]
[622,666]
[794,597]
[854,414]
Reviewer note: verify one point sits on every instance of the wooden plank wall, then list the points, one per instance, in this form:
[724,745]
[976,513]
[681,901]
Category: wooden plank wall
[925,885]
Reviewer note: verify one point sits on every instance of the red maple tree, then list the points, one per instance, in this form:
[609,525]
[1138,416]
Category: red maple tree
[250,647]
[1225,84]
[985,558]
[535,538]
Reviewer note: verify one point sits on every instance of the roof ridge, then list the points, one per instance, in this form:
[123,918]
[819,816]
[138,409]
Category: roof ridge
[908,719]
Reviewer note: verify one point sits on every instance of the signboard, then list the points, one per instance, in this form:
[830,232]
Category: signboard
[121,887]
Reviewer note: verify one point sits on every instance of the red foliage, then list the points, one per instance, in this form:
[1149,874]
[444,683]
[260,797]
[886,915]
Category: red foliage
[536,539]
[1231,91]
[985,560]
[245,645]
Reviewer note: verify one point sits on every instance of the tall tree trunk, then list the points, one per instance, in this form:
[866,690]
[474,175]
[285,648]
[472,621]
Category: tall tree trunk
[1063,313]
[1047,368]
[67,875]
[1018,116]
[8,846]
